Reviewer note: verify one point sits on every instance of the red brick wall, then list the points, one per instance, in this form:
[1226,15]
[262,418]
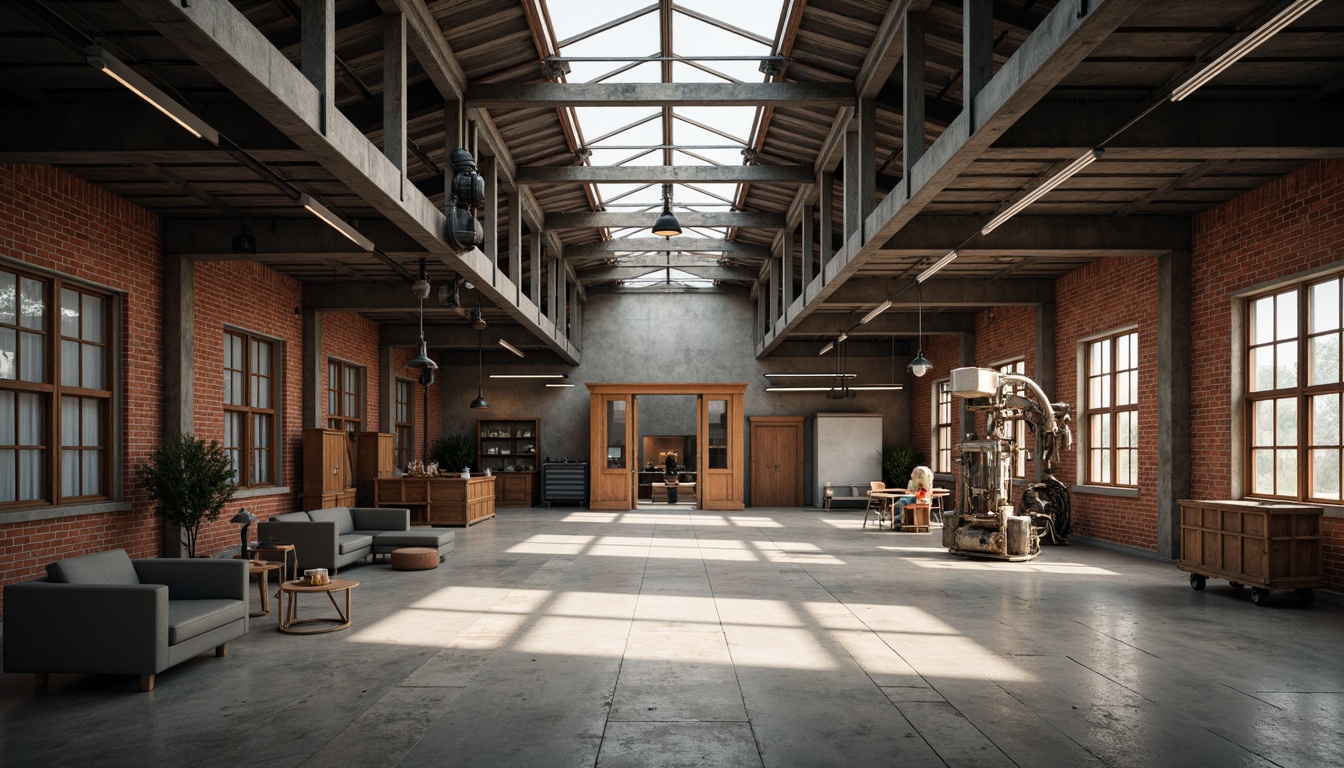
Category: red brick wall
[51,219]
[1129,290]
[1003,335]
[353,338]
[254,298]
[400,356]
[945,354]
[1279,230]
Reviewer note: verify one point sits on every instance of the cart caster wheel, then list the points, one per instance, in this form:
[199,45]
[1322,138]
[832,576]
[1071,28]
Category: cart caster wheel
[1236,585]
[1260,597]
[1306,596]
[1197,582]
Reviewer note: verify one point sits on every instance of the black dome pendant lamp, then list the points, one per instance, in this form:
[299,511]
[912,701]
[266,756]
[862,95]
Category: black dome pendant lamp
[422,360]
[666,225]
[479,403]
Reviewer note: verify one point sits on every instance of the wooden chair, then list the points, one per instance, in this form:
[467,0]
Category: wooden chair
[875,503]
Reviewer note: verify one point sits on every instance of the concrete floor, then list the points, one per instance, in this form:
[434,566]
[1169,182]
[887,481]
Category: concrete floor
[773,637]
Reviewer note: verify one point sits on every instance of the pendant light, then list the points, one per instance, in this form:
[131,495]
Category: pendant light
[422,359]
[479,403]
[920,365]
[666,224]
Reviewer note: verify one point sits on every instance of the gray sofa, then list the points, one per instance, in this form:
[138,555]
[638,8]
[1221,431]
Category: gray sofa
[108,614]
[338,536]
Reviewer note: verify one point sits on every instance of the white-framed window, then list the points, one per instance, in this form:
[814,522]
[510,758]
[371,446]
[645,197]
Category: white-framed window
[55,390]
[1293,392]
[943,413]
[1112,409]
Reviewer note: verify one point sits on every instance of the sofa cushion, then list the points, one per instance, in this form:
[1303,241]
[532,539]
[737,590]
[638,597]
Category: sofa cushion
[292,517]
[353,542]
[338,515]
[427,538]
[191,618]
[110,567]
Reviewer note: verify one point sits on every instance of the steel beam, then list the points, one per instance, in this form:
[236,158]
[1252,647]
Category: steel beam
[557,95]
[659,245]
[619,220]
[663,174]
[630,273]
[948,292]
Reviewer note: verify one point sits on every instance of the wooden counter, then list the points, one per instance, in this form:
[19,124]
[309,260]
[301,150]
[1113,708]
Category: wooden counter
[439,500]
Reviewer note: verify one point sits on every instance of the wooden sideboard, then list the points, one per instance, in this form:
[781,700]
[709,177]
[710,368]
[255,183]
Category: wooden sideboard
[439,500]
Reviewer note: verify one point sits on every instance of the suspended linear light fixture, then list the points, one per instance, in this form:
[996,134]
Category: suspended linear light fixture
[921,365]
[873,313]
[117,70]
[937,265]
[529,375]
[829,346]
[511,348]
[422,360]
[335,222]
[666,225]
[1237,52]
[1089,157]
[479,403]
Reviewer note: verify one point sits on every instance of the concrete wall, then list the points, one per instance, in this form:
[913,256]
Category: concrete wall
[663,337]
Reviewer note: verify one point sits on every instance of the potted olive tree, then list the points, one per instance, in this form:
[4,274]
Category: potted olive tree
[454,452]
[190,480]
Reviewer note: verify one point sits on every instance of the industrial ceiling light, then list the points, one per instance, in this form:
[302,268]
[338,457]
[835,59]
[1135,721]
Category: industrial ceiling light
[244,243]
[666,224]
[479,403]
[117,70]
[921,365]
[335,222]
[809,375]
[873,313]
[511,348]
[1237,52]
[1088,157]
[937,265]
[529,375]
[858,388]
[557,386]
[422,360]
[478,319]
[829,346]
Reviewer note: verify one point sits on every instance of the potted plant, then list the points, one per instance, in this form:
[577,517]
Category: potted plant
[190,481]
[897,463]
[454,452]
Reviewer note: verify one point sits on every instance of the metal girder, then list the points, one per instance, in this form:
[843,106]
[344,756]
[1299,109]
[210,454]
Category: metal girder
[1236,129]
[221,39]
[660,245]
[1055,48]
[552,95]
[619,220]
[663,174]
[631,273]
[1100,235]
[426,41]
[887,324]
[305,237]
[948,293]
[887,48]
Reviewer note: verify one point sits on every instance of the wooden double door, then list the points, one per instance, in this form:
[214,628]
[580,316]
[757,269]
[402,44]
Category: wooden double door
[776,461]
[614,435]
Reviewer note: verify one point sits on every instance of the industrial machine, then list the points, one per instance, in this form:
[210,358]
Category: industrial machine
[986,524]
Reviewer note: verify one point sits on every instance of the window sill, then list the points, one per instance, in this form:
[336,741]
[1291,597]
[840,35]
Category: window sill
[1330,510]
[253,493]
[71,510]
[1106,490]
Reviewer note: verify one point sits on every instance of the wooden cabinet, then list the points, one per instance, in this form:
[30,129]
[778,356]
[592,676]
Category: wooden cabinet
[439,500]
[1266,546]
[373,459]
[508,448]
[328,469]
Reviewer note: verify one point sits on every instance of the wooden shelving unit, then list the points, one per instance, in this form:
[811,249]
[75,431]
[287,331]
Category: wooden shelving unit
[508,448]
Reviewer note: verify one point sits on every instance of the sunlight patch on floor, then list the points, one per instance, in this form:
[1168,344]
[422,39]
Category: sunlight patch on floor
[956,563]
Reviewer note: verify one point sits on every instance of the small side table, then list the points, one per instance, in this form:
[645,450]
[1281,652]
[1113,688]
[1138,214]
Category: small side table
[289,559]
[915,518]
[289,613]
[265,568]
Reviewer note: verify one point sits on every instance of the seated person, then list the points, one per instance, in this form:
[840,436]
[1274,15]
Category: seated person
[917,490]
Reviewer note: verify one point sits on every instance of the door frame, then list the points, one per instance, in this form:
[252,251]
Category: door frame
[718,489]
[791,421]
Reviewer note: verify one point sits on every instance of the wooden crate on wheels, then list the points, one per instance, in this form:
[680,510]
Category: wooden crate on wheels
[1265,546]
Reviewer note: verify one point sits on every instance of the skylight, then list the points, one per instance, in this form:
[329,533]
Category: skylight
[711,41]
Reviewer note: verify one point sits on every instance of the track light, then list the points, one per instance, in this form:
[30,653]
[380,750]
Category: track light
[529,375]
[860,388]
[557,386]
[1237,52]
[335,222]
[809,375]
[873,313]
[511,348]
[1089,157]
[843,338]
[115,69]
[937,265]
[829,346]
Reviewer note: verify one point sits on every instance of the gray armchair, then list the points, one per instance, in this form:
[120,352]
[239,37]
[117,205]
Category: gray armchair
[107,614]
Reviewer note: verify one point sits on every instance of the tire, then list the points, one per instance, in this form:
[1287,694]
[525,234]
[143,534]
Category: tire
[1197,582]
[1261,597]
[1306,596]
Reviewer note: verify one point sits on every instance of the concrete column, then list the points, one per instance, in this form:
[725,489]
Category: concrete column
[774,292]
[394,92]
[490,170]
[805,243]
[314,367]
[387,394]
[786,269]
[1045,371]
[967,359]
[913,78]
[852,222]
[317,51]
[562,296]
[824,204]
[573,304]
[977,53]
[534,267]
[516,243]
[552,289]
[179,367]
[867,170]
[1173,398]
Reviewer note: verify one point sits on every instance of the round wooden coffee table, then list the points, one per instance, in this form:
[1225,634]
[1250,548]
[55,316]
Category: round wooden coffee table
[289,613]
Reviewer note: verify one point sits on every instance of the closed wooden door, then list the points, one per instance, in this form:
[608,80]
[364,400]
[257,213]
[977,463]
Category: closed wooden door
[777,461]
